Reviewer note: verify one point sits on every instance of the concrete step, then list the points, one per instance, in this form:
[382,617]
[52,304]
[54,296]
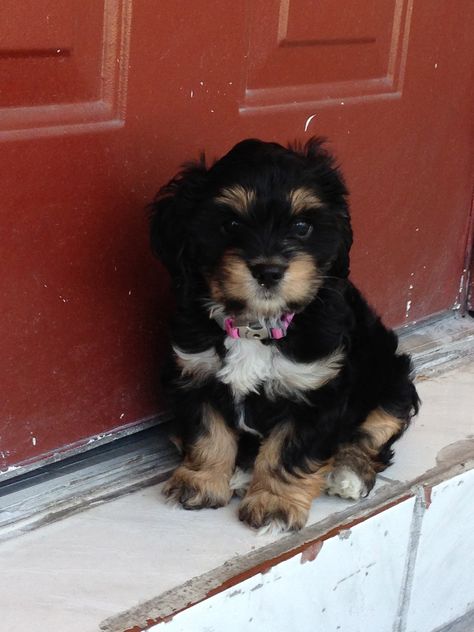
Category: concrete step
[399,561]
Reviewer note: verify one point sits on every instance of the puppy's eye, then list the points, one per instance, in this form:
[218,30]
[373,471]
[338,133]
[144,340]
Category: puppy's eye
[301,228]
[231,226]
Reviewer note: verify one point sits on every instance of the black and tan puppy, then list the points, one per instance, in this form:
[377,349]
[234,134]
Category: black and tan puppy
[278,364]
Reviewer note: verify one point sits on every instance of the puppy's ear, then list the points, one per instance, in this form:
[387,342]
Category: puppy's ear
[330,183]
[171,217]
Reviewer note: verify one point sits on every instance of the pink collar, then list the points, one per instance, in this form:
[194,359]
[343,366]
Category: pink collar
[255,330]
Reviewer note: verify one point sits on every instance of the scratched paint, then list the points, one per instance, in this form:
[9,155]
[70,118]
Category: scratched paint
[312,552]
[308,121]
[409,297]
[458,302]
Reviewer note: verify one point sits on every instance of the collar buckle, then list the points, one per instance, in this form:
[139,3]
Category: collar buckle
[253,331]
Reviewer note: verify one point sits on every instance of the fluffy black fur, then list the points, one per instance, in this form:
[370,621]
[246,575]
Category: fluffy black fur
[191,233]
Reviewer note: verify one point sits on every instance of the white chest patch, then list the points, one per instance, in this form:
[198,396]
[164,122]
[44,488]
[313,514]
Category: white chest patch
[249,365]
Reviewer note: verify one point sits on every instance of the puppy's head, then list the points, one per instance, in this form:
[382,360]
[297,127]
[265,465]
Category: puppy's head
[258,232]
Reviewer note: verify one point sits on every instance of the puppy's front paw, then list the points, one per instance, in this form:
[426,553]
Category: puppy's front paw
[196,489]
[271,513]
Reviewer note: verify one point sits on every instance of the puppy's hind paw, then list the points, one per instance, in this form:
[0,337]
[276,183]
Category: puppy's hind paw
[346,483]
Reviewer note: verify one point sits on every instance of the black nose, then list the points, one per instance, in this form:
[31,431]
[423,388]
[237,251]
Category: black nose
[267,275]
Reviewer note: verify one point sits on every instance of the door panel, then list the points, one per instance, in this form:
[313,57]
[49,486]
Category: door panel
[89,134]
[357,53]
[63,66]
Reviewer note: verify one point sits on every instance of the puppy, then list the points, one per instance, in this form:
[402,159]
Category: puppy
[278,365]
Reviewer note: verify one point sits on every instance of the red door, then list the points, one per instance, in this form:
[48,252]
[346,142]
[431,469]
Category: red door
[100,101]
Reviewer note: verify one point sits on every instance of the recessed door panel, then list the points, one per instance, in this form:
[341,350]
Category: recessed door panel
[315,51]
[62,64]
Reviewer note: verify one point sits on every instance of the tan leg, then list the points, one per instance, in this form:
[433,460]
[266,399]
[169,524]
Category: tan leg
[275,497]
[378,429]
[203,478]
[356,464]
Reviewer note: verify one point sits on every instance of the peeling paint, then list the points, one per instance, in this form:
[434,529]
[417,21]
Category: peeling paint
[308,121]
[427,497]
[11,468]
[99,437]
[409,297]
[459,298]
[311,553]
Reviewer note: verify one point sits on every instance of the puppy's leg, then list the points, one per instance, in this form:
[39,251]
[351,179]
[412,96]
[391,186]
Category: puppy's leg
[279,499]
[203,478]
[356,464]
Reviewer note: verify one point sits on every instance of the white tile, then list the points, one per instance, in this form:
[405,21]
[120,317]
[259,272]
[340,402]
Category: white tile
[446,417]
[443,583]
[352,585]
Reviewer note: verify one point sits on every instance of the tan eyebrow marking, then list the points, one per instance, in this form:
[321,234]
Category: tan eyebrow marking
[237,197]
[303,199]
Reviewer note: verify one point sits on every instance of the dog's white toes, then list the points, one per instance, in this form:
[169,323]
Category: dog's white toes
[346,483]
[240,481]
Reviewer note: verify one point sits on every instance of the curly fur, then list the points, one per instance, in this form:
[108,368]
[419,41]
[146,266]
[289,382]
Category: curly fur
[324,403]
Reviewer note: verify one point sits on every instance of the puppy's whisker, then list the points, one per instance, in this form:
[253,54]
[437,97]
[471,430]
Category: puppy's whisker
[324,277]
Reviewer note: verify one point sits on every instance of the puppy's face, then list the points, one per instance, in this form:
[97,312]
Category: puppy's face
[267,256]
[262,227]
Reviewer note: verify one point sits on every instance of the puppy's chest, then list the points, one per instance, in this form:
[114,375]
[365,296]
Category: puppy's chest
[249,366]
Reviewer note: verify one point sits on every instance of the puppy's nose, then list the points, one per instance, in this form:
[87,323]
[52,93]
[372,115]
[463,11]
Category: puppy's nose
[268,275]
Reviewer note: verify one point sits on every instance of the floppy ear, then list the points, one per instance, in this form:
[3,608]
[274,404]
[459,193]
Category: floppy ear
[171,216]
[330,183]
